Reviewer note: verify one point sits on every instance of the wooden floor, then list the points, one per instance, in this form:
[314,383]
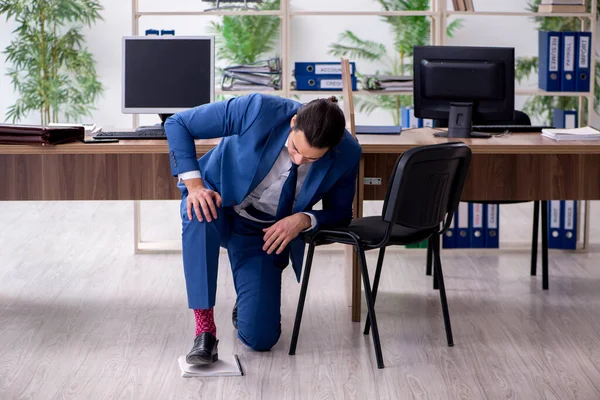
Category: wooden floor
[81,317]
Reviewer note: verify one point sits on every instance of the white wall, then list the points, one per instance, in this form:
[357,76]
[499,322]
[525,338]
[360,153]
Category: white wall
[310,39]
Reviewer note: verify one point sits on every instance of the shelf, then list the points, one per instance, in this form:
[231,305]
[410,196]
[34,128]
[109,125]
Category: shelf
[277,13]
[517,14]
[354,92]
[243,92]
[540,92]
[364,13]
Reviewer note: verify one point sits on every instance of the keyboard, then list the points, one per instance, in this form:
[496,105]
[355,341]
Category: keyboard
[135,135]
[509,128]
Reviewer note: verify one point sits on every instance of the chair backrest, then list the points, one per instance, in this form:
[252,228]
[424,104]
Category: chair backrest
[426,185]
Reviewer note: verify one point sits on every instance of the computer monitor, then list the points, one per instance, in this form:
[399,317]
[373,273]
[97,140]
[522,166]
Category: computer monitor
[167,74]
[464,85]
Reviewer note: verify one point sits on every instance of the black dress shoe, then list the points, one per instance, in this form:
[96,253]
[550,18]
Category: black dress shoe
[204,351]
[234,315]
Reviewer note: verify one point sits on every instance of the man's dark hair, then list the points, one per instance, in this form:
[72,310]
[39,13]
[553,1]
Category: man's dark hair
[322,122]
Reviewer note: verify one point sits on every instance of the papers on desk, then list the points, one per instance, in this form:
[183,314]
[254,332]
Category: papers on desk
[585,133]
[229,366]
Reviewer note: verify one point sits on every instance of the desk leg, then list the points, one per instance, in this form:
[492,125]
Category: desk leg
[137,227]
[352,255]
[141,247]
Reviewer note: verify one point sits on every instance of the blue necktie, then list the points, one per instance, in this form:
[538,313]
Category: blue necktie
[284,209]
[288,193]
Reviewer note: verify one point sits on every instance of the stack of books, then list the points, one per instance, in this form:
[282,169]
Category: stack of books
[261,75]
[562,6]
[463,5]
[389,83]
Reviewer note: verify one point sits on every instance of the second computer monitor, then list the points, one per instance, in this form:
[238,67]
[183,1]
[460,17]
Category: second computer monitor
[464,84]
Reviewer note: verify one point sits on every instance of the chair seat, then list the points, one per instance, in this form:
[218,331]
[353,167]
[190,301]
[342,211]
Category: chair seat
[371,231]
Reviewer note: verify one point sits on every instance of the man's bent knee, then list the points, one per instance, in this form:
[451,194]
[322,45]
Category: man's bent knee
[259,339]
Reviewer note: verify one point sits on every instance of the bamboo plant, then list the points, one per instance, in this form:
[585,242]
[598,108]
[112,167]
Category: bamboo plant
[52,70]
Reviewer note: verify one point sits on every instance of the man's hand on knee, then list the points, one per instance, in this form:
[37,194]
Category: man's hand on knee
[279,235]
[201,197]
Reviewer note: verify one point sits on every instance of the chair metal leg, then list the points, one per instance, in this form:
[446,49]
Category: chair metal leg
[429,258]
[309,259]
[370,306]
[375,285]
[435,246]
[440,280]
[534,238]
[544,245]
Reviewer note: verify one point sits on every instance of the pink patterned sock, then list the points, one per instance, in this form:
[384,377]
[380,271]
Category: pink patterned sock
[205,321]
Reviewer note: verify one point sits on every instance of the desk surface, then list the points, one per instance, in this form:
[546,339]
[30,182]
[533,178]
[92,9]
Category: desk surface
[515,143]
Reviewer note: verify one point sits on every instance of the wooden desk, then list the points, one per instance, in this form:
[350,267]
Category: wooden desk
[511,167]
[127,170]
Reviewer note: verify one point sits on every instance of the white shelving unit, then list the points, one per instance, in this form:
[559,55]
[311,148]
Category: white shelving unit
[438,14]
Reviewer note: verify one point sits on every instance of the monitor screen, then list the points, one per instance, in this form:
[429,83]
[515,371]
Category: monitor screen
[167,74]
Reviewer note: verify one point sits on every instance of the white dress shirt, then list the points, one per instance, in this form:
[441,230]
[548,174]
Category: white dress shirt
[265,197]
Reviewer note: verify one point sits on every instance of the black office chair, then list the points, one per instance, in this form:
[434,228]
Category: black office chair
[520,118]
[424,191]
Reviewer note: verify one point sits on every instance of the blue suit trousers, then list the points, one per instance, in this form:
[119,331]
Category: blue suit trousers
[257,280]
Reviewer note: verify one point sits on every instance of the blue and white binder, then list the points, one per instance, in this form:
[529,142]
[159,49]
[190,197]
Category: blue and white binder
[321,82]
[564,119]
[462,237]
[321,68]
[449,238]
[549,60]
[582,67]
[492,231]
[476,225]
[569,46]
[407,116]
[555,224]
[569,240]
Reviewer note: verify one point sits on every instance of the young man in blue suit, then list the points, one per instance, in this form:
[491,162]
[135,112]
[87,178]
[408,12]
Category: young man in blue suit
[253,195]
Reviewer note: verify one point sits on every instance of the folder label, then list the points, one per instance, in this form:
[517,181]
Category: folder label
[554,49]
[331,84]
[493,218]
[326,69]
[584,46]
[555,216]
[569,219]
[569,55]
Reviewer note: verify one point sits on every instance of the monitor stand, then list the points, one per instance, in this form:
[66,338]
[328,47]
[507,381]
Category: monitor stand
[460,123]
[160,126]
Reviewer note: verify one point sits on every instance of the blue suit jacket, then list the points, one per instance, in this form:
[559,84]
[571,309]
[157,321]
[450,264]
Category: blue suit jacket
[254,130]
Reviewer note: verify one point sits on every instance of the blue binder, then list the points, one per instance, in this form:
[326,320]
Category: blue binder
[449,238]
[555,224]
[569,240]
[492,228]
[462,226]
[582,67]
[549,60]
[407,116]
[321,82]
[564,119]
[321,68]
[476,225]
[569,46]
[150,32]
